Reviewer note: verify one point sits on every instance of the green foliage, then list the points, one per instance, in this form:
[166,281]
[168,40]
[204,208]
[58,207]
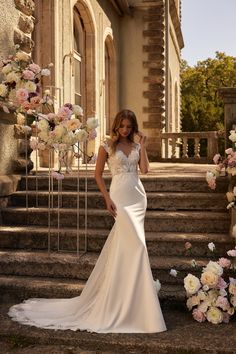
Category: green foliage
[202,109]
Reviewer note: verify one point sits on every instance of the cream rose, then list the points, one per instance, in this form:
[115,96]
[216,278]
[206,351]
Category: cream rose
[81,136]
[43,125]
[214,315]
[191,284]
[209,278]
[73,124]
[3,90]
[22,56]
[30,86]
[59,131]
[214,267]
[7,69]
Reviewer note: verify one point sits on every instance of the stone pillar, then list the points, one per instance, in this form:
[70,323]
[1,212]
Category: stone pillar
[153,34]
[228,94]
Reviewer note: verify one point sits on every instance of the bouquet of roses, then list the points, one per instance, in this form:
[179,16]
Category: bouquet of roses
[211,297]
[228,163]
[20,87]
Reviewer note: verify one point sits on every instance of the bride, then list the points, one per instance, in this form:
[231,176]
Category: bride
[120,295]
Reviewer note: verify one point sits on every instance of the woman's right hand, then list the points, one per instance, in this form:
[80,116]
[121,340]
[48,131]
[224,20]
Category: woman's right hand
[111,207]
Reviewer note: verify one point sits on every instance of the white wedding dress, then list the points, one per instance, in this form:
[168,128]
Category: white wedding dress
[120,295]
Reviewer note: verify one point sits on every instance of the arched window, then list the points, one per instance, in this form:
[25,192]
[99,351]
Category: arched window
[110,83]
[79,56]
[84,58]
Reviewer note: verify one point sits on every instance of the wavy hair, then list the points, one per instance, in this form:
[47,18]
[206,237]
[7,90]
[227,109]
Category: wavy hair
[114,135]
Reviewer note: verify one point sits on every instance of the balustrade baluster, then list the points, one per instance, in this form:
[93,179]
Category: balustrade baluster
[185,147]
[173,155]
[197,148]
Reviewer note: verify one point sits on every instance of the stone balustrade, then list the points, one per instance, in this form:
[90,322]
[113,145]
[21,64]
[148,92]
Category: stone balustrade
[192,147]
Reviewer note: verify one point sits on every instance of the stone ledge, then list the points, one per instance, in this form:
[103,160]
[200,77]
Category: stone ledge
[8,184]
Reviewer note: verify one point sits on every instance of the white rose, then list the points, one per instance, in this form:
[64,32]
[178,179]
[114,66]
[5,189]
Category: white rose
[92,123]
[214,267]
[173,272]
[77,110]
[201,295]
[30,86]
[20,119]
[81,136]
[3,90]
[214,315]
[211,246]
[191,284]
[45,72]
[232,136]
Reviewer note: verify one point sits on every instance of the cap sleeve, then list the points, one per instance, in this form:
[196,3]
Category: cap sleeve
[105,145]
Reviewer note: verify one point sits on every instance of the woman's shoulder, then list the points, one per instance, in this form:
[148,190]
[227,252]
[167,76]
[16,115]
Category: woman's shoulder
[137,146]
[106,144]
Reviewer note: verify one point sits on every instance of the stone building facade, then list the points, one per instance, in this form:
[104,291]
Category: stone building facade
[107,55]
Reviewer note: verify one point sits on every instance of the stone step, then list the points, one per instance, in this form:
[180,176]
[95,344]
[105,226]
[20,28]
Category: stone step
[155,183]
[71,266]
[18,288]
[158,243]
[156,200]
[157,221]
[183,335]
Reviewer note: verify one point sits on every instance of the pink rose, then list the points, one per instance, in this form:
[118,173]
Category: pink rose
[33,143]
[64,112]
[57,175]
[226,317]
[231,253]
[222,302]
[28,75]
[26,105]
[187,245]
[198,315]
[35,101]
[221,284]
[212,183]
[224,262]
[216,158]
[92,134]
[35,68]
[229,151]
[22,95]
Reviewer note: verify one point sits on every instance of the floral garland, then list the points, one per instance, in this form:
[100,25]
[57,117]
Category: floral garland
[20,91]
[228,163]
[211,297]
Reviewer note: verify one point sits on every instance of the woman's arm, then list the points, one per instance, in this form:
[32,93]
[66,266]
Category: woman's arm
[101,160]
[143,161]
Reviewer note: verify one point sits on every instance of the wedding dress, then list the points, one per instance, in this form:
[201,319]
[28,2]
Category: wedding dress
[120,295]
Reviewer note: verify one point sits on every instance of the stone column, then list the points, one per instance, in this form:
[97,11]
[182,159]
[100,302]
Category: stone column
[228,94]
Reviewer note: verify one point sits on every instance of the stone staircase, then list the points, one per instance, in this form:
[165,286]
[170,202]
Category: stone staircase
[180,209]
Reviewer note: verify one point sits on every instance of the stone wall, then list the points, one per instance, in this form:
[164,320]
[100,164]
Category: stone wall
[16,23]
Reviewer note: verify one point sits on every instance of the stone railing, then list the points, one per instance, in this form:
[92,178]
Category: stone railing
[192,147]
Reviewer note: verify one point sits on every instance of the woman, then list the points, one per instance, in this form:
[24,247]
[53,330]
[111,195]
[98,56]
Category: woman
[120,295]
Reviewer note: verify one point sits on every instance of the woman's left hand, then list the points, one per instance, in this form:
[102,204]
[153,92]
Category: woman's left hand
[142,138]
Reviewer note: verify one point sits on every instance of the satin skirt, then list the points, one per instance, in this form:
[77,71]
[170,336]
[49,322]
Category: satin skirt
[120,295]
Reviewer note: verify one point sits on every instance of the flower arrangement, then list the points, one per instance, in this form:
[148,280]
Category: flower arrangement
[228,163]
[20,87]
[20,92]
[211,297]
[63,130]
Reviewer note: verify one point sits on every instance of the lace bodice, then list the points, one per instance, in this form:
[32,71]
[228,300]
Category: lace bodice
[118,162]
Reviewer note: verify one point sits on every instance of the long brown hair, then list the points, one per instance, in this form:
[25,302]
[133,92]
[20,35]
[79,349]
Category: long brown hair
[124,114]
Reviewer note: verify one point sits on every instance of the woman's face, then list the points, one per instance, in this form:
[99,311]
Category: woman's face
[125,128]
